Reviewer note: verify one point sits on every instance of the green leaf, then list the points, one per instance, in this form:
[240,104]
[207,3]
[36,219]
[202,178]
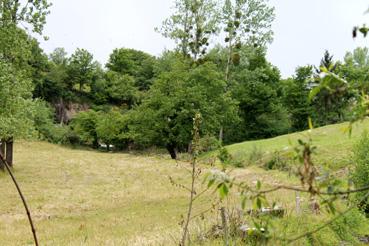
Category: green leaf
[258,202]
[211,182]
[258,185]
[223,191]
[243,203]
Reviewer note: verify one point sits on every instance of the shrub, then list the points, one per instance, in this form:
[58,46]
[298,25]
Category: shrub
[44,124]
[208,143]
[360,175]
[277,162]
[255,156]
[224,156]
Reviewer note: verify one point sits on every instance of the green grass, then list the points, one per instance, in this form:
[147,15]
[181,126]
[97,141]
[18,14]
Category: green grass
[334,144]
[85,197]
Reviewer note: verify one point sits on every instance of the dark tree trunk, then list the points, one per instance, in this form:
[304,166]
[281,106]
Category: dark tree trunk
[172,151]
[9,152]
[95,143]
[2,152]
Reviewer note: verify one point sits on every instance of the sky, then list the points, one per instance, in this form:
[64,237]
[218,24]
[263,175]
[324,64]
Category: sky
[303,29]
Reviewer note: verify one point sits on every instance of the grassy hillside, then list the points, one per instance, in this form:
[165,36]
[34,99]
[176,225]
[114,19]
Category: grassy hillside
[334,144]
[85,197]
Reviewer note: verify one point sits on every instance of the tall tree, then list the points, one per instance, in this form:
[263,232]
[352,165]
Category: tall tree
[16,106]
[245,22]
[82,69]
[330,102]
[191,26]
[295,93]
[255,85]
[355,69]
[32,12]
[165,116]
[17,55]
[137,64]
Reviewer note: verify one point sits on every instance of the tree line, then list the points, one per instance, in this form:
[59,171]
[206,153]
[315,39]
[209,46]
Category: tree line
[218,68]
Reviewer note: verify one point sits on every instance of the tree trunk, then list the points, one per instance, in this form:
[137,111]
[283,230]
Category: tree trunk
[9,151]
[2,152]
[172,151]
[221,136]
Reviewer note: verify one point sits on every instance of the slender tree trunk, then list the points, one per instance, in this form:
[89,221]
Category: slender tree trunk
[223,214]
[2,152]
[227,72]
[189,212]
[9,151]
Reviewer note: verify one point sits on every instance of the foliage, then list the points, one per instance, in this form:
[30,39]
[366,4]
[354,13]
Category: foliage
[192,25]
[164,117]
[134,63]
[255,87]
[360,175]
[208,143]
[82,70]
[84,125]
[295,92]
[24,12]
[356,69]
[121,89]
[16,112]
[109,128]
[329,95]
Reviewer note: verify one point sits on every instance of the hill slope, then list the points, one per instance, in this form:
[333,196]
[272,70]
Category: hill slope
[85,197]
[334,144]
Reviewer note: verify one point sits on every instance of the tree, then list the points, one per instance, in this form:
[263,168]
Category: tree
[82,69]
[165,116]
[137,64]
[295,93]
[192,25]
[121,89]
[330,102]
[356,69]
[33,13]
[255,85]
[245,22]
[17,56]
[16,106]
[110,128]
[84,125]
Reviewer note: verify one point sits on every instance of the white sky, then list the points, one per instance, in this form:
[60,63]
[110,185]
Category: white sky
[303,28]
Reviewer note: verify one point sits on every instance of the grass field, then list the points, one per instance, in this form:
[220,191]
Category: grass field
[334,145]
[85,197]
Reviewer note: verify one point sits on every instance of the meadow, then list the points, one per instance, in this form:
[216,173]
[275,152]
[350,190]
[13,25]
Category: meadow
[89,197]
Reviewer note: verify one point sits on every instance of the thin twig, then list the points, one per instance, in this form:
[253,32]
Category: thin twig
[201,193]
[22,197]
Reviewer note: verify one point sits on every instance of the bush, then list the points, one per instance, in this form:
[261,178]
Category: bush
[277,162]
[360,175]
[44,124]
[224,156]
[208,143]
[255,156]
[227,159]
